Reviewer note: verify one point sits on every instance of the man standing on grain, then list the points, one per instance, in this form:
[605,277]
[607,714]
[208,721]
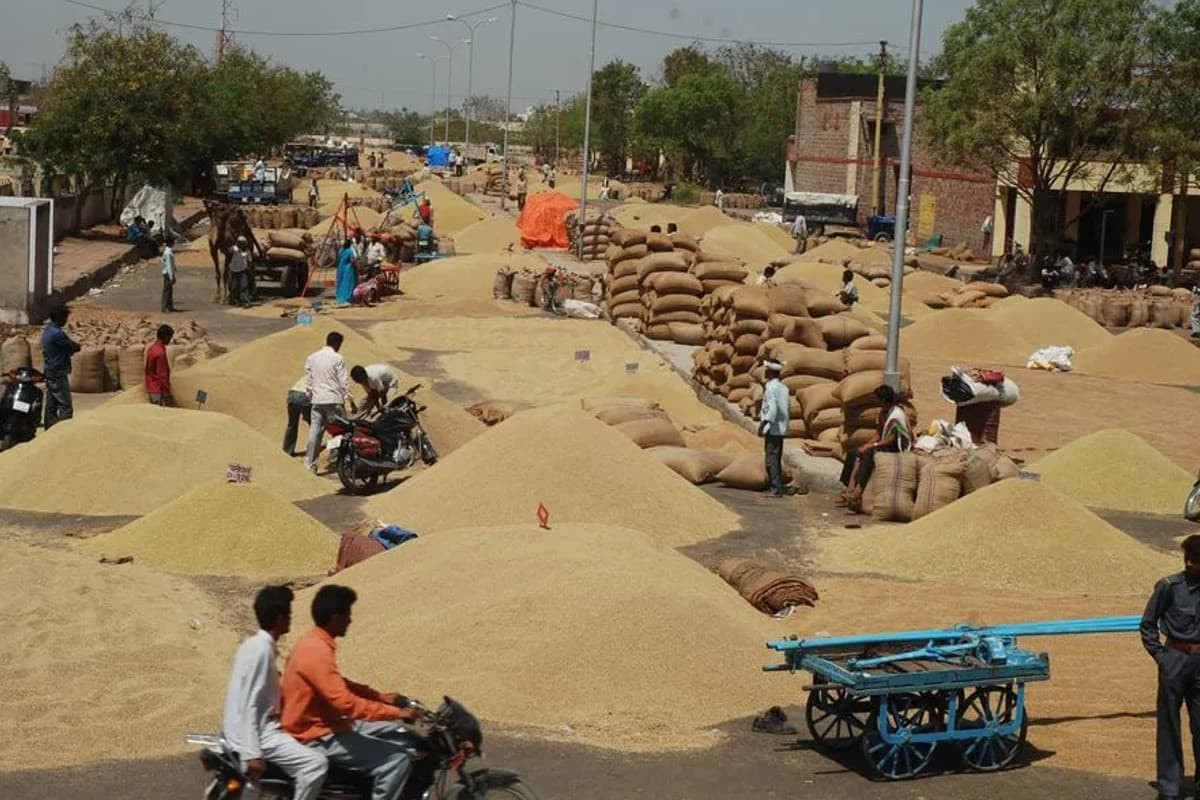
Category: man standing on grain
[327,383]
[158,367]
[773,425]
[1174,612]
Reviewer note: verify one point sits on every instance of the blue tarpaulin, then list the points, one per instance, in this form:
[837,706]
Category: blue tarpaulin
[438,156]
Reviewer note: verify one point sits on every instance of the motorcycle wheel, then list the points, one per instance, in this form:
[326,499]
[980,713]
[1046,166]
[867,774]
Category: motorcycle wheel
[353,483]
[1191,508]
[518,791]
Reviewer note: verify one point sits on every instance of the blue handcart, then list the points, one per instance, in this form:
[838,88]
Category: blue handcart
[898,696]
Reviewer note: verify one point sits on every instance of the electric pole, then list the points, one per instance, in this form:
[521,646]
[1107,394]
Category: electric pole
[557,110]
[878,185]
[224,32]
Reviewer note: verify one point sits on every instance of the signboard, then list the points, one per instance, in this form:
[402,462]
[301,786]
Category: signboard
[237,473]
[926,217]
[583,355]
[304,318]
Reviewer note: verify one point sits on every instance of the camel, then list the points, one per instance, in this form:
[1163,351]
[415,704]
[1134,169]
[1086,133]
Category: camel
[227,224]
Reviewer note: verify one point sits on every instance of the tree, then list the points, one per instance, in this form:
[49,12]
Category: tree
[684,61]
[408,127]
[696,121]
[485,107]
[616,90]
[1040,92]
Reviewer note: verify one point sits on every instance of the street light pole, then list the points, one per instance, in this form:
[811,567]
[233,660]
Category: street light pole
[512,38]
[557,109]
[432,94]
[470,73]
[891,374]
[587,127]
[450,76]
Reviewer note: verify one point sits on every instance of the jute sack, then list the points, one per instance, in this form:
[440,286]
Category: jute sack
[131,364]
[978,472]
[719,270]
[713,285]
[292,239]
[628,267]
[87,371]
[502,284]
[664,303]
[795,383]
[806,332]
[687,317]
[625,310]
[1115,311]
[695,466]
[749,472]
[628,237]
[857,437]
[659,331]
[754,326]
[935,300]
[627,296]
[1139,312]
[652,432]
[659,243]
[817,398]
[965,298]
[800,360]
[839,330]
[824,420]
[720,352]
[620,414]
[863,360]
[751,302]
[112,368]
[789,299]
[523,287]
[661,262]
[859,388]
[873,342]
[822,304]
[624,283]
[685,243]
[742,363]
[747,344]
[674,283]
[1162,313]
[938,485]
[14,353]
[895,490]
[990,289]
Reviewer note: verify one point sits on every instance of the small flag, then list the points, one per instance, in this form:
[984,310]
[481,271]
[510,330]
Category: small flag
[237,473]
[631,367]
[583,355]
[543,516]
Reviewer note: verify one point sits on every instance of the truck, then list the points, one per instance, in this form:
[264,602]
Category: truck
[826,214]
[235,182]
[302,156]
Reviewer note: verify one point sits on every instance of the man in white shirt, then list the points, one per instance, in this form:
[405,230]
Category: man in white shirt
[252,703]
[800,232]
[719,200]
[327,383]
[773,425]
[378,381]
[260,169]
[168,274]
[239,274]
[376,253]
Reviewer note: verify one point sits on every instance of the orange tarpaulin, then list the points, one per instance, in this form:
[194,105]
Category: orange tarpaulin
[542,222]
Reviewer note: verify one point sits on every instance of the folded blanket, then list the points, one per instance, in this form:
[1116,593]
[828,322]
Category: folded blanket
[767,588]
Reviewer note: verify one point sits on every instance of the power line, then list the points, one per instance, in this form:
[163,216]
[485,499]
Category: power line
[691,37]
[352,32]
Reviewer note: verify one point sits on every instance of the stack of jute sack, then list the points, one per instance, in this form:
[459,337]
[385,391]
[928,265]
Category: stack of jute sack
[528,287]
[977,294]
[289,245]
[282,217]
[1154,306]
[596,234]
[732,200]
[907,486]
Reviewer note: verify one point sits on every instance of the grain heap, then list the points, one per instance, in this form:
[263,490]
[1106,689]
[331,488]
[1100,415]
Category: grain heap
[1153,307]
[974,337]
[451,213]
[1116,469]
[1144,354]
[580,468]
[977,294]
[132,459]
[732,199]
[702,220]
[463,277]
[577,619]
[778,234]
[596,231]
[871,298]
[109,650]
[251,382]
[491,235]
[643,215]
[744,241]
[1051,321]
[225,529]
[998,538]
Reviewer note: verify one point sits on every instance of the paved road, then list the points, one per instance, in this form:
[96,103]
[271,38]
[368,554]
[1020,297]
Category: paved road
[748,766]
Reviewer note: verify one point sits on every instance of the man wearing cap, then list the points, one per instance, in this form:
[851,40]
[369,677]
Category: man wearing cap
[773,425]
[239,274]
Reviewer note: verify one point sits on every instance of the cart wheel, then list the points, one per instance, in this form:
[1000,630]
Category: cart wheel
[904,715]
[836,719]
[985,709]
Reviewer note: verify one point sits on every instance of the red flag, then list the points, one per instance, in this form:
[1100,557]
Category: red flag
[543,515]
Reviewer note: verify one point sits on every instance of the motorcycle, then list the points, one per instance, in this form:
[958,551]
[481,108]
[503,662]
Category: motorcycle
[1191,507]
[20,407]
[451,738]
[366,450]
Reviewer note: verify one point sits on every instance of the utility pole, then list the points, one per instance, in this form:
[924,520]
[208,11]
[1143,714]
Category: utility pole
[587,125]
[450,78]
[557,110]
[432,94]
[878,187]
[224,33]
[470,73]
[512,38]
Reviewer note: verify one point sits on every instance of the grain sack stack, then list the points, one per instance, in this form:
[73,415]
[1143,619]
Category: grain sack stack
[596,232]
[855,394]
[289,245]
[1152,307]
[977,294]
[624,255]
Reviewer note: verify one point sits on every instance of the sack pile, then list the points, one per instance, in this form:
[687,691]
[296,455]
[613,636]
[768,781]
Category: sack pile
[1153,307]
[377,203]
[977,294]
[650,192]
[732,200]
[281,217]
[907,486]
[289,245]
[766,587]
[597,231]
[855,394]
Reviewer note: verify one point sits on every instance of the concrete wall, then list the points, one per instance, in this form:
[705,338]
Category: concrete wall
[26,264]
[95,211]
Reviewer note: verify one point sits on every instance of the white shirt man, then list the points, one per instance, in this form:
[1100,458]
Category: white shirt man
[774,419]
[719,200]
[327,383]
[260,170]
[252,702]
[378,381]
[800,232]
[376,253]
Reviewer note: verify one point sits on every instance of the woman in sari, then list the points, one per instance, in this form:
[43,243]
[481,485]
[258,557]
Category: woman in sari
[346,277]
[893,436]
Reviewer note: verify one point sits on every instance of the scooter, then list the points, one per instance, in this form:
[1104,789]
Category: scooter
[451,737]
[20,407]
[364,451]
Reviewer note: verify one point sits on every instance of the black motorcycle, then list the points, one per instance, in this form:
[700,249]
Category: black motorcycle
[450,739]
[367,450]
[20,407]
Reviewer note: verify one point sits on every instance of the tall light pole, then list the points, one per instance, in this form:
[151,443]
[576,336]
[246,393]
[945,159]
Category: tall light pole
[557,110]
[891,373]
[432,94]
[512,38]
[470,71]
[587,129]
[450,76]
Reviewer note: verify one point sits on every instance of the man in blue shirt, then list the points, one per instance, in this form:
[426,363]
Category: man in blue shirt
[57,349]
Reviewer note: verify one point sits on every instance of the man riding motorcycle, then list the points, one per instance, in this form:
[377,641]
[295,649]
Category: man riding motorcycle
[338,718]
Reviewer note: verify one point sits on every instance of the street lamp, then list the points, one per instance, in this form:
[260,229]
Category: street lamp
[891,373]
[587,125]
[432,94]
[512,37]
[450,77]
[470,70]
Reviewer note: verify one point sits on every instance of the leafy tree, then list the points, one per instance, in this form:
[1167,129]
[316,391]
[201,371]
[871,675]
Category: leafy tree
[694,120]
[408,127]
[684,61]
[1040,91]
[485,107]
[616,90]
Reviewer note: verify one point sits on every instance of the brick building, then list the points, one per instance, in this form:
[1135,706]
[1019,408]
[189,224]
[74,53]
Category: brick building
[835,140]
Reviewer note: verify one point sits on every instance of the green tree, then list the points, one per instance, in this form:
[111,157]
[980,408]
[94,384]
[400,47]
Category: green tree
[1039,91]
[693,122]
[616,90]
[684,61]
[408,127]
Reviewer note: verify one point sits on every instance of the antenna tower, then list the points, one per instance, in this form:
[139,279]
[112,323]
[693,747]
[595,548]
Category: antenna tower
[225,33]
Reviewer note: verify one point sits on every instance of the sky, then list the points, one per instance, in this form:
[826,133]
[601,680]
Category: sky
[383,70]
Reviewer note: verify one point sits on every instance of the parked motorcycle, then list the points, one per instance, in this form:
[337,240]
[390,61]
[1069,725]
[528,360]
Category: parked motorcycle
[1191,507]
[450,739]
[20,407]
[365,451]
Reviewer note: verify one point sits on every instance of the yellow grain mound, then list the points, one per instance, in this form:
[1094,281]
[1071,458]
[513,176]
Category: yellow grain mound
[463,277]
[226,529]
[531,361]
[643,215]
[103,662]
[1150,355]
[133,458]
[584,628]
[923,283]
[1014,535]
[836,251]
[777,234]
[702,220]
[1116,469]
[360,216]
[968,336]
[579,468]
[251,383]
[451,212]
[745,241]
[667,389]
[1051,322]
[492,235]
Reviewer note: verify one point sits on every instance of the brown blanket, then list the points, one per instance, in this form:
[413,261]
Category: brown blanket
[767,588]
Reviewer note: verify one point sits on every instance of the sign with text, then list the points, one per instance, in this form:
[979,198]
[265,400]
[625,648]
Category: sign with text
[237,473]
